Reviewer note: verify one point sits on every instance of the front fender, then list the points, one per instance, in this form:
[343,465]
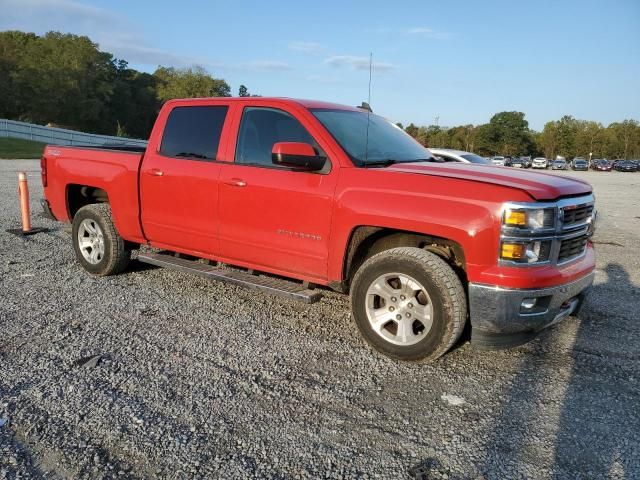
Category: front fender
[467,213]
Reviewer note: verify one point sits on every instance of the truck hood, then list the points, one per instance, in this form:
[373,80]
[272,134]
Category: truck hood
[540,186]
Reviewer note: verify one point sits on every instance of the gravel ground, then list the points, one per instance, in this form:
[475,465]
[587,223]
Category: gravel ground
[202,380]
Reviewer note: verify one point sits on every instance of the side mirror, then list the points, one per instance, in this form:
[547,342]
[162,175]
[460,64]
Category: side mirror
[298,155]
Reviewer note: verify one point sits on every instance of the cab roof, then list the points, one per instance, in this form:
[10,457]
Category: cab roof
[292,101]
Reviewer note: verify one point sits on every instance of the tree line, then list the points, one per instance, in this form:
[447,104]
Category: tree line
[65,80]
[508,133]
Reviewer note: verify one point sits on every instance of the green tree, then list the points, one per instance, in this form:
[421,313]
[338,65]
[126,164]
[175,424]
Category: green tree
[189,83]
[589,139]
[422,136]
[60,78]
[624,139]
[436,136]
[243,92]
[66,80]
[547,141]
[509,132]
[484,142]
[13,86]
[412,130]
[566,132]
[462,137]
[134,104]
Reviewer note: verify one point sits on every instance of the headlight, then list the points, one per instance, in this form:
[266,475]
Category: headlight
[529,218]
[535,251]
[527,233]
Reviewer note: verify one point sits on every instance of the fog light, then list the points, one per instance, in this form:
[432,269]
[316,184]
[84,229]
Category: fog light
[528,303]
[514,251]
[536,251]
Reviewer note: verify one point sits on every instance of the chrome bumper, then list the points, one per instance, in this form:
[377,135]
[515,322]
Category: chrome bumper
[503,317]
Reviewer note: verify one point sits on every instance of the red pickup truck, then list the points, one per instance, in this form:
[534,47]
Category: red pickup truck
[288,195]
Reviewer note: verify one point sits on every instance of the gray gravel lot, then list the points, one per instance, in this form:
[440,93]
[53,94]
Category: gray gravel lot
[204,380]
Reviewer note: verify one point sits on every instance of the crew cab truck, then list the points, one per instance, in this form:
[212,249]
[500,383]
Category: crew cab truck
[328,195]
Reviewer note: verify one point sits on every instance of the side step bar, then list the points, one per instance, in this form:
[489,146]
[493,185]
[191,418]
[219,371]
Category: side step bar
[274,286]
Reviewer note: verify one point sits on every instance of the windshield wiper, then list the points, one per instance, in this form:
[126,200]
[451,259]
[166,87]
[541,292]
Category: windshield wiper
[390,161]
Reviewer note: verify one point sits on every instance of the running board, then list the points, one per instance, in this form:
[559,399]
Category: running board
[274,286]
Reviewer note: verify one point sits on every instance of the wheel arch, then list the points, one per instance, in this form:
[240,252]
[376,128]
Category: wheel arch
[78,196]
[366,241]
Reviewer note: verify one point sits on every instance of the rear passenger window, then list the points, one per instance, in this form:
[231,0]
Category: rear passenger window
[261,128]
[193,132]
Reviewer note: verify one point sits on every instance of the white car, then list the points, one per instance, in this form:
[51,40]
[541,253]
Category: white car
[498,160]
[540,162]
[449,155]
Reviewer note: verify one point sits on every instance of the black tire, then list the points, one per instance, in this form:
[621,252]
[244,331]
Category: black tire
[116,254]
[448,301]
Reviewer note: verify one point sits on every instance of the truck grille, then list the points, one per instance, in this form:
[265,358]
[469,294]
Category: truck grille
[576,215]
[572,247]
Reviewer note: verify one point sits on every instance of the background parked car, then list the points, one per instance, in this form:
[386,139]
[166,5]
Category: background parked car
[450,155]
[527,161]
[498,160]
[518,162]
[602,165]
[580,163]
[559,164]
[625,166]
[540,162]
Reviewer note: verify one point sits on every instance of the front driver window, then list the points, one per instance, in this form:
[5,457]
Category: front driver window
[261,128]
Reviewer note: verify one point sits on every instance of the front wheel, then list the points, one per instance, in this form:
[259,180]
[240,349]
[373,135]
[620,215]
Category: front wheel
[408,304]
[98,246]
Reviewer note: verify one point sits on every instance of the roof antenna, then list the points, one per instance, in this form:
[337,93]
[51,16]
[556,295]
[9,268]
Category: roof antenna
[368,108]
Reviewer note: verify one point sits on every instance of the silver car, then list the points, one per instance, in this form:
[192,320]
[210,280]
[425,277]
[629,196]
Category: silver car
[450,155]
[540,162]
[498,160]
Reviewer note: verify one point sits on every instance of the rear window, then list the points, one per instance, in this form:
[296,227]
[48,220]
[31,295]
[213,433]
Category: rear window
[193,132]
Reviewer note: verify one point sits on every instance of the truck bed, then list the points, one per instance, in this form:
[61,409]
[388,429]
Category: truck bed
[112,168]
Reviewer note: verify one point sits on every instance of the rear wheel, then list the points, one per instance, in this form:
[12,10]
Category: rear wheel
[408,304]
[98,246]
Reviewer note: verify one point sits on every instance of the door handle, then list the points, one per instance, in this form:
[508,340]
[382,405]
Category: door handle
[156,172]
[236,182]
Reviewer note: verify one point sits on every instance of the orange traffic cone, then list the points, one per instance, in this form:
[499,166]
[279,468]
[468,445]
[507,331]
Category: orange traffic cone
[23,192]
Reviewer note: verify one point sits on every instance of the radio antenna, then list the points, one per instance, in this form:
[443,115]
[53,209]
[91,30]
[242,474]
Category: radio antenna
[366,142]
[370,71]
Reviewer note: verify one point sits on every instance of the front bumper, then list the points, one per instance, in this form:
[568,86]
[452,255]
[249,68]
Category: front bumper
[499,320]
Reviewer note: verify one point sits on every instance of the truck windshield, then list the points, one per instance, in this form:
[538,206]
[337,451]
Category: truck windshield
[383,144]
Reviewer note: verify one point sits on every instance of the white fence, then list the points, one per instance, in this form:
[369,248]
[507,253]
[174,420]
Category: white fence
[60,136]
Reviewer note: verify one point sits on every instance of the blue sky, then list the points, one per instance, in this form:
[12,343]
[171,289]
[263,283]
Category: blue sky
[460,61]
